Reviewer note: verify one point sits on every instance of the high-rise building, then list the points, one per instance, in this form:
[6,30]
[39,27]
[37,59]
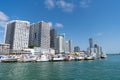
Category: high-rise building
[91,42]
[68,46]
[91,45]
[40,35]
[17,34]
[97,50]
[60,44]
[76,49]
[53,37]
[101,52]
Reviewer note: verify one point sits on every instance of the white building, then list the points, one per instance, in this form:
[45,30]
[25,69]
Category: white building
[45,51]
[60,44]
[40,35]
[68,46]
[17,34]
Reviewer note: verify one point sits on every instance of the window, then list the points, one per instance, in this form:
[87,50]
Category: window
[35,35]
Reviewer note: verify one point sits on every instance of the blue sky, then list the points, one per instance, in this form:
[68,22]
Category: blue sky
[79,19]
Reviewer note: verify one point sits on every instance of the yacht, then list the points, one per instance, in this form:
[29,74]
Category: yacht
[58,57]
[43,58]
[69,58]
[103,56]
[89,58]
[79,58]
[8,58]
[27,58]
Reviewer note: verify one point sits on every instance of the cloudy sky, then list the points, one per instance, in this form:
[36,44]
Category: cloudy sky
[78,19]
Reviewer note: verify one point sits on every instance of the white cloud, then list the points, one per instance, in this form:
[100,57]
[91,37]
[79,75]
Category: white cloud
[67,7]
[99,34]
[3,19]
[59,25]
[49,4]
[85,3]
[50,24]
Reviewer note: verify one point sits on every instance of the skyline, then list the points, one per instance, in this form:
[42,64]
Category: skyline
[99,20]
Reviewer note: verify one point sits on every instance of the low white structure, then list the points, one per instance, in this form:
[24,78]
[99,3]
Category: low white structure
[39,50]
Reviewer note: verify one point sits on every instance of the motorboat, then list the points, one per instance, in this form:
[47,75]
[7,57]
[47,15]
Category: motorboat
[8,58]
[27,58]
[79,58]
[42,58]
[103,56]
[89,58]
[58,57]
[69,58]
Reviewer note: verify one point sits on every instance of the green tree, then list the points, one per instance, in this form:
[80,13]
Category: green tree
[31,46]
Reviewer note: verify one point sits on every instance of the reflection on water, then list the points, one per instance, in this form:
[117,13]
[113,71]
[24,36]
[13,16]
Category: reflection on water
[106,69]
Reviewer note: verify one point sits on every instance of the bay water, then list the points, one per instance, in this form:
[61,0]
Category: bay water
[102,69]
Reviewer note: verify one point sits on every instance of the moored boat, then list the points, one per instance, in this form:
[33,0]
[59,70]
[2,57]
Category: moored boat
[68,58]
[58,57]
[89,58]
[8,59]
[42,58]
[26,58]
[79,58]
[103,56]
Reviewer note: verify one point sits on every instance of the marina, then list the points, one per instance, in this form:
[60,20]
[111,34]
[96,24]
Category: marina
[44,58]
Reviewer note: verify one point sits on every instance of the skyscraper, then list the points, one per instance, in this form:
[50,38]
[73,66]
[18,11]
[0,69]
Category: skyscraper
[40,35]
[53,37]
[91,42]
[17,34]
[68,46]
[97,50]
[91,45]
[60,44]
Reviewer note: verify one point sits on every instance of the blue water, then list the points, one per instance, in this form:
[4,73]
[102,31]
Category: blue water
[105,69]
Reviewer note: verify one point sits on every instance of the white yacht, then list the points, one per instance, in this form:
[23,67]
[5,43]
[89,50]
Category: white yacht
[79,58]
[58,57]
[8,58]
[27,58]
[103,56]
[43,58]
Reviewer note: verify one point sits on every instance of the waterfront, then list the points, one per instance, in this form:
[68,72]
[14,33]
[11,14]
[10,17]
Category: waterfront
[104,69]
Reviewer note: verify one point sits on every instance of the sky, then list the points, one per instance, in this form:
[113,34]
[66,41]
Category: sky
[78,19]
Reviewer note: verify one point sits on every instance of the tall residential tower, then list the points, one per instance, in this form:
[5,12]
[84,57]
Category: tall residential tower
[68,46]
[40,35]
[60,44]
[17,34]
[53,37]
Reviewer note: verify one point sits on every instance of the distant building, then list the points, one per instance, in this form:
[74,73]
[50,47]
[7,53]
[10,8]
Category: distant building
[4,48]
[91,45]
[101,50]
[97,50]
[60,44]
[53,37]
[91,42]
[17,34]
[40,35]
[76,49]
[68,46]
